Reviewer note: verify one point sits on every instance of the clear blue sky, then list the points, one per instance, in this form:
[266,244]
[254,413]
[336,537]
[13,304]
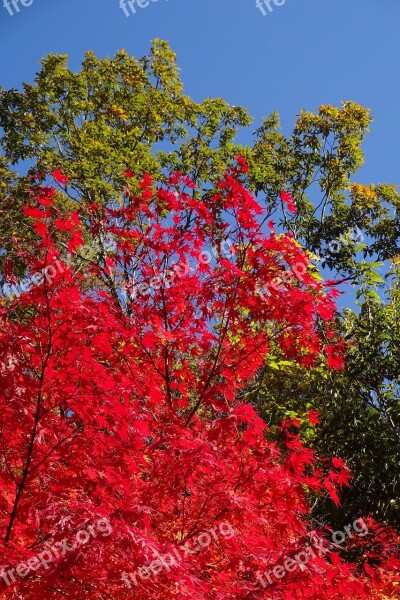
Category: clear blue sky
[303,54]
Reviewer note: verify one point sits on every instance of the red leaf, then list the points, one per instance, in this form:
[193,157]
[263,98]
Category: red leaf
[313,417]
[60,177]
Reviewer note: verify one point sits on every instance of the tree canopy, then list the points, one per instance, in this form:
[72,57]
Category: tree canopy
[173,341]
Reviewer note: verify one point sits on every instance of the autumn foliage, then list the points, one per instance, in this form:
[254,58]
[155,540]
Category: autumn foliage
[121,383]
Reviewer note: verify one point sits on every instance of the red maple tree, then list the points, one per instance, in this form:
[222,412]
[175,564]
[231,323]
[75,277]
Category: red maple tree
[130,468]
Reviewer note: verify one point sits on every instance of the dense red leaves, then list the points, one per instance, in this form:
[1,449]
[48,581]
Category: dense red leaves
[120,400]
[335,359]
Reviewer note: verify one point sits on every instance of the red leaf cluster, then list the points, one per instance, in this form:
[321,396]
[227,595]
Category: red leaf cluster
[123,437]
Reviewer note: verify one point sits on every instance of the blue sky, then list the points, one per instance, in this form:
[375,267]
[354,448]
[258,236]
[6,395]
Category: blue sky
[302,54]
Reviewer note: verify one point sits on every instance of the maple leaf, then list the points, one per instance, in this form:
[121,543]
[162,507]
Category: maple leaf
[334,359]
[288,200]
[34,213]
[332,491]
[242,163]
[60,177]
[313,417]
[338,463]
